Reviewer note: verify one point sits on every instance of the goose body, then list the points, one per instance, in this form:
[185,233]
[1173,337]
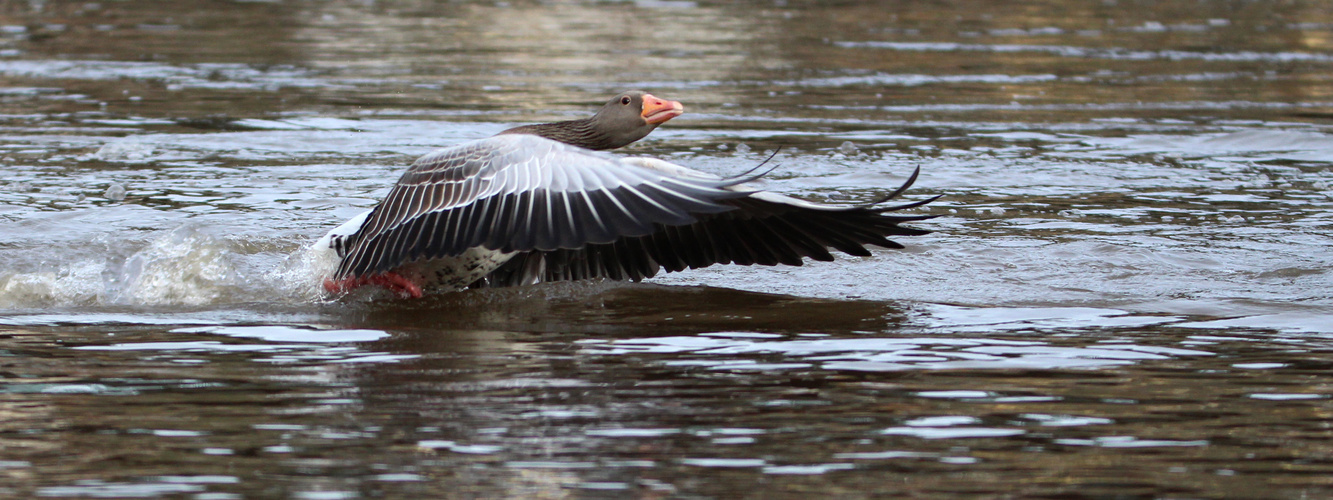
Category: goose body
[519,208]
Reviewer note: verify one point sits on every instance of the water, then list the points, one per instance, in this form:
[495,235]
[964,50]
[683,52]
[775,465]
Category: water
[1126,294]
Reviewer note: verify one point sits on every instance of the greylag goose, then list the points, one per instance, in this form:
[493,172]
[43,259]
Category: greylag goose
[539,203]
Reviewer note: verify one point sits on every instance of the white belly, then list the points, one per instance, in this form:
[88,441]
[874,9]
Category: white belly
[454,273]
[446,274]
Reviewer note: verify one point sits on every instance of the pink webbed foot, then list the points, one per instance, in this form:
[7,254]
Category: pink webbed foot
[394,282]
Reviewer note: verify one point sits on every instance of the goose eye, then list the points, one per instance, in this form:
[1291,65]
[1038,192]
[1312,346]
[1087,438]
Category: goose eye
[624,100]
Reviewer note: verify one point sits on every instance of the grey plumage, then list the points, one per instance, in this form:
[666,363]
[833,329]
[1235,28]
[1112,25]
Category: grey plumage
[518,209]
[521,193]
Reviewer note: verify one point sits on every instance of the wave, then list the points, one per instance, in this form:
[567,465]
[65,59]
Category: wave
[1094,53]
[185,266]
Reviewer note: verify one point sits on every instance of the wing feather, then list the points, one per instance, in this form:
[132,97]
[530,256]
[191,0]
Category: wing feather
[763,228]
[519,193]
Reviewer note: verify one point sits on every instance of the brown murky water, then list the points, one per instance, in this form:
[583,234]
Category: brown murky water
[1126,296]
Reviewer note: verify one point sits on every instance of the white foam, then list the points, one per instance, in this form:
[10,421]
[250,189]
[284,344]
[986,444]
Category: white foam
[73,284]
[182,267]
[302,274]
[125,150]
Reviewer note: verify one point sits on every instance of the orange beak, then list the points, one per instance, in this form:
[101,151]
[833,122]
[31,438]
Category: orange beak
[657,111]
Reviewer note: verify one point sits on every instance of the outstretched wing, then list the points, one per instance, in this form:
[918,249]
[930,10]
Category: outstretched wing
[765,228]
[521,193]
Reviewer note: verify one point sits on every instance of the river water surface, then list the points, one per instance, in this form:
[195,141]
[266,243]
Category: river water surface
[1127,293]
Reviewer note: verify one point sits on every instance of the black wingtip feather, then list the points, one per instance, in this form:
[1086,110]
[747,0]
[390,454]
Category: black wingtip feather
[671,223]
[904,206]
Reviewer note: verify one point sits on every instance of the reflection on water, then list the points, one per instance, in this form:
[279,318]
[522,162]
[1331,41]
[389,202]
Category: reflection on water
[879,354]
[560,407]
[1126,294]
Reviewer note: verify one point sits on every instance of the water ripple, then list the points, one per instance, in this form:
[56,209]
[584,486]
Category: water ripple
[1095,52]
[883,354]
